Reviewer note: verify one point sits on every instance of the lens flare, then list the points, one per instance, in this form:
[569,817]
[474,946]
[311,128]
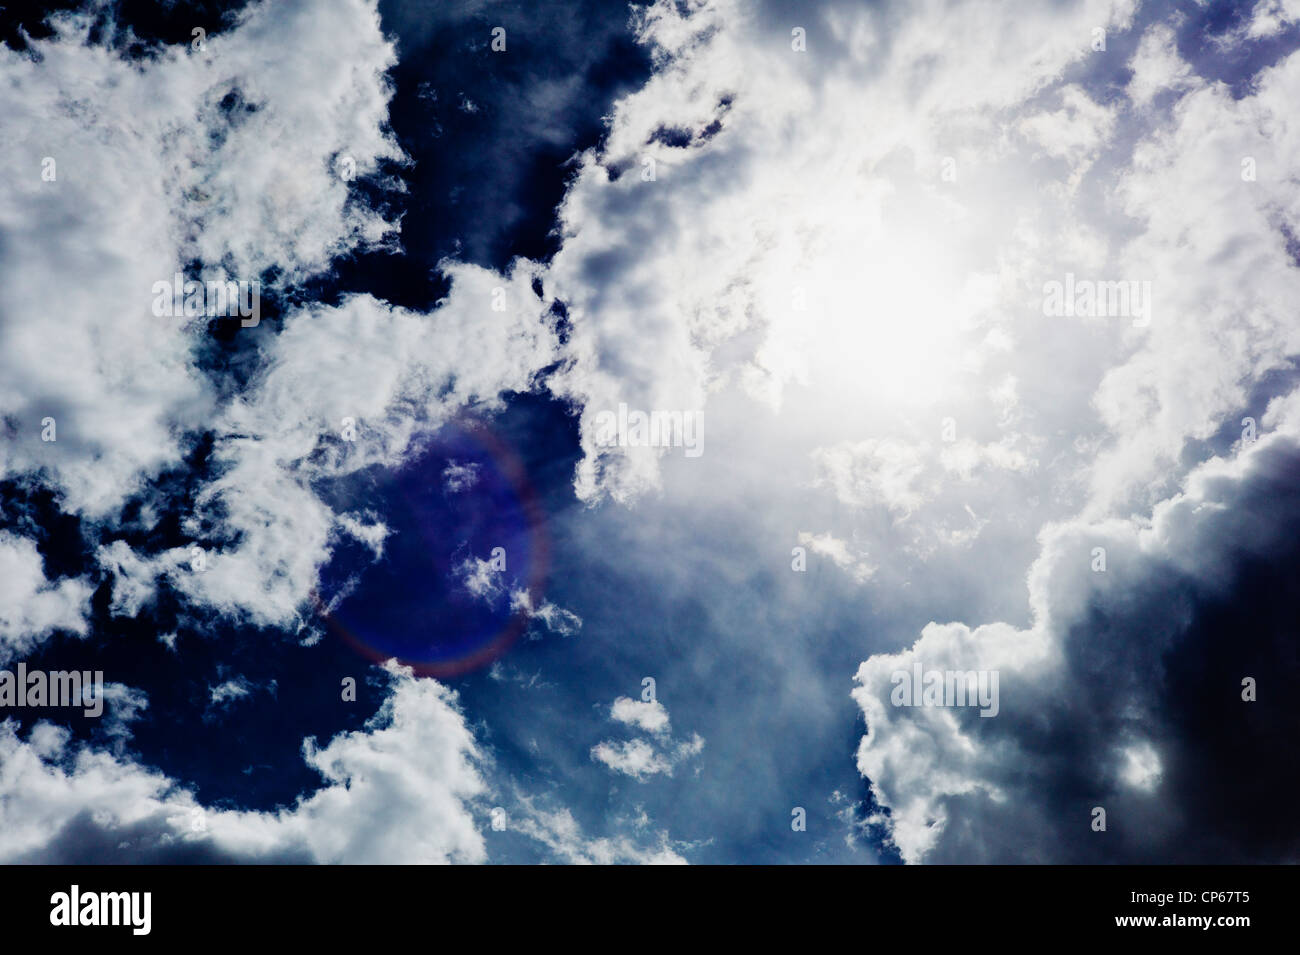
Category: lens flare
[465,560]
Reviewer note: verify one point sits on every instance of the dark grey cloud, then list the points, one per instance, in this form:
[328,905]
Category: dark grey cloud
[1149,657]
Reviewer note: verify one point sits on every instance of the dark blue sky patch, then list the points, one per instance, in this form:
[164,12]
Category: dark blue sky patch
[139,27]
[490,134]
[463,509]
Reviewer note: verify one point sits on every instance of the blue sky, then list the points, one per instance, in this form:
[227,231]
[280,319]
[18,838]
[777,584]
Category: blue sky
[366,582]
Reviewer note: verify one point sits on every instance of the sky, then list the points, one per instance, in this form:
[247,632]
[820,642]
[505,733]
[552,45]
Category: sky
[966,330]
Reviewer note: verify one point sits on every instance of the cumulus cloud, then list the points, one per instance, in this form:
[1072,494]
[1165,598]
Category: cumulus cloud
[1157,67]
[1127,692]
[1272,16]
[645,756]
[121,172]
[402,790]
[31,606]
[344,389]
[651,716]
[1223,291]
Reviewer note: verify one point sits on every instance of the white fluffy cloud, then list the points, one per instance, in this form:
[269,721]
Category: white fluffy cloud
[645,756]
[1157,67]
[31,607]
[118,173]
[401,791]
[1213,244]
[344,388]
[651,715]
